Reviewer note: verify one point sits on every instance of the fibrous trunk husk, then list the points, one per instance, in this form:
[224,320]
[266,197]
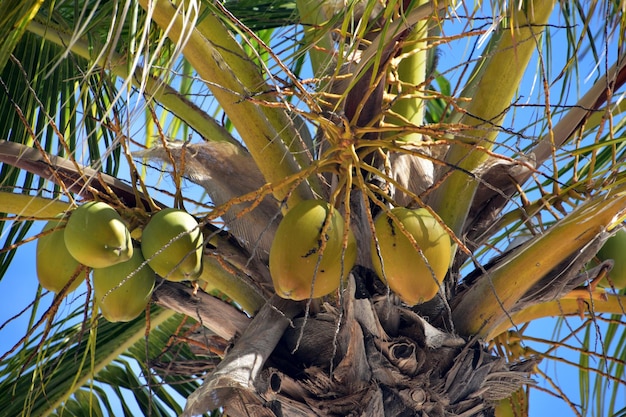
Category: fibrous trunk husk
[352,361]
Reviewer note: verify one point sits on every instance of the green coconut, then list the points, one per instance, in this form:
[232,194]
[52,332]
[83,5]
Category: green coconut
[122,291]
[97,236]
[615,248]
[172,242]
[55,265]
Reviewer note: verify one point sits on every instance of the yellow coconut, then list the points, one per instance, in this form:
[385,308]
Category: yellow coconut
[172,243]
[414,279]
[298,267]
[122,291]
[55,265]
[96,236]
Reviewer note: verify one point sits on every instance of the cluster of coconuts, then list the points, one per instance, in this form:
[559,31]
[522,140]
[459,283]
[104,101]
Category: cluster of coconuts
[311,255]
[313,251]
[95,235]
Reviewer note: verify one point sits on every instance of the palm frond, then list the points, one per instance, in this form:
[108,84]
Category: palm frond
[77,370]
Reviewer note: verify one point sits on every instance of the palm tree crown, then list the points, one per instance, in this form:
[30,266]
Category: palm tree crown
[467,165]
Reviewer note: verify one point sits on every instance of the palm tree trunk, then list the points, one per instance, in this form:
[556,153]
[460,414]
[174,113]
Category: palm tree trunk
[370,357]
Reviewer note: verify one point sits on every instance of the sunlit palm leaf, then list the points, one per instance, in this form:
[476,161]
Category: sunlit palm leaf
[32,101]
[15,18]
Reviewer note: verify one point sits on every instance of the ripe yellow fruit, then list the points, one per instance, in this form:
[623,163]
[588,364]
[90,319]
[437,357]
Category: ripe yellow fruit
[295,252]
[126,301]
[55,265]
[172,242]
[615,248]
[405,271]
[96,236]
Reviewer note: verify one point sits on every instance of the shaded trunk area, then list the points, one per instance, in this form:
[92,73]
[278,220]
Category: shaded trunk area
[370,357]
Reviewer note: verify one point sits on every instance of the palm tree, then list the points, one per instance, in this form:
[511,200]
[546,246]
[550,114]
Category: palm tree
[237,111]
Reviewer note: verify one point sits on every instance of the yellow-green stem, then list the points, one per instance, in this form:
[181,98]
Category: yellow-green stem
[486,304]
[206,52]
[249,76]
[25,205]
[569,306]
[505,64]
[243,294]
[412,74]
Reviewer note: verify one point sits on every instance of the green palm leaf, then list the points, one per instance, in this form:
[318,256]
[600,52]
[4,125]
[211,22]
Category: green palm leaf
[72,369]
